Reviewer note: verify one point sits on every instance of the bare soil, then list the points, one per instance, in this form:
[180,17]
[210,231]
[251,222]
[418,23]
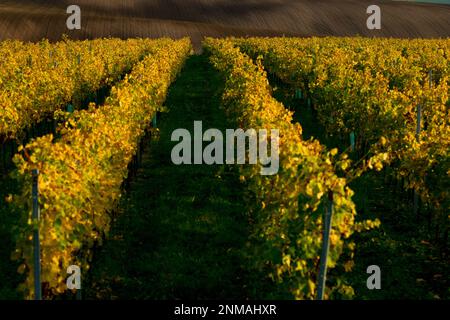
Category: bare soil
[34,20]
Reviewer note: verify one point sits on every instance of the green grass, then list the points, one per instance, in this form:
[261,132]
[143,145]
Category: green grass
[181,229]
[9,217]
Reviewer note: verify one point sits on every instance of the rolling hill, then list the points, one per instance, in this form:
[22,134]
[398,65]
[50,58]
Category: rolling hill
[34,20]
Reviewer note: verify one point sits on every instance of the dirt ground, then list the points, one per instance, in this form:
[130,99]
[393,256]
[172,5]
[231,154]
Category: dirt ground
[34,20]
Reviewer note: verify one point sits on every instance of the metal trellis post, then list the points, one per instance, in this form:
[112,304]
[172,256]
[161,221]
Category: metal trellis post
[36,243]
[325,247]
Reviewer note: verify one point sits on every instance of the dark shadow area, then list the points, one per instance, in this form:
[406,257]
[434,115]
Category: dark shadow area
[180,230]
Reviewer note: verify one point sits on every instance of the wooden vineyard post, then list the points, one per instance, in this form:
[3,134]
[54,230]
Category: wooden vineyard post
[325,247]
[36,243]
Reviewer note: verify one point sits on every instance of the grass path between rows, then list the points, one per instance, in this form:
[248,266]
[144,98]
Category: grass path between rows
[181,229]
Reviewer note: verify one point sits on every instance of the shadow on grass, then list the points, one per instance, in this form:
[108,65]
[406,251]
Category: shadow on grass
[181,229]
[10,217]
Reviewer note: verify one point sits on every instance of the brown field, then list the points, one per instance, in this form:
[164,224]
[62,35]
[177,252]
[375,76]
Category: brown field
[34,20]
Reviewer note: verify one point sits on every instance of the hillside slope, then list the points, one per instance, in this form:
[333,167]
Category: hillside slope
[34,20]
